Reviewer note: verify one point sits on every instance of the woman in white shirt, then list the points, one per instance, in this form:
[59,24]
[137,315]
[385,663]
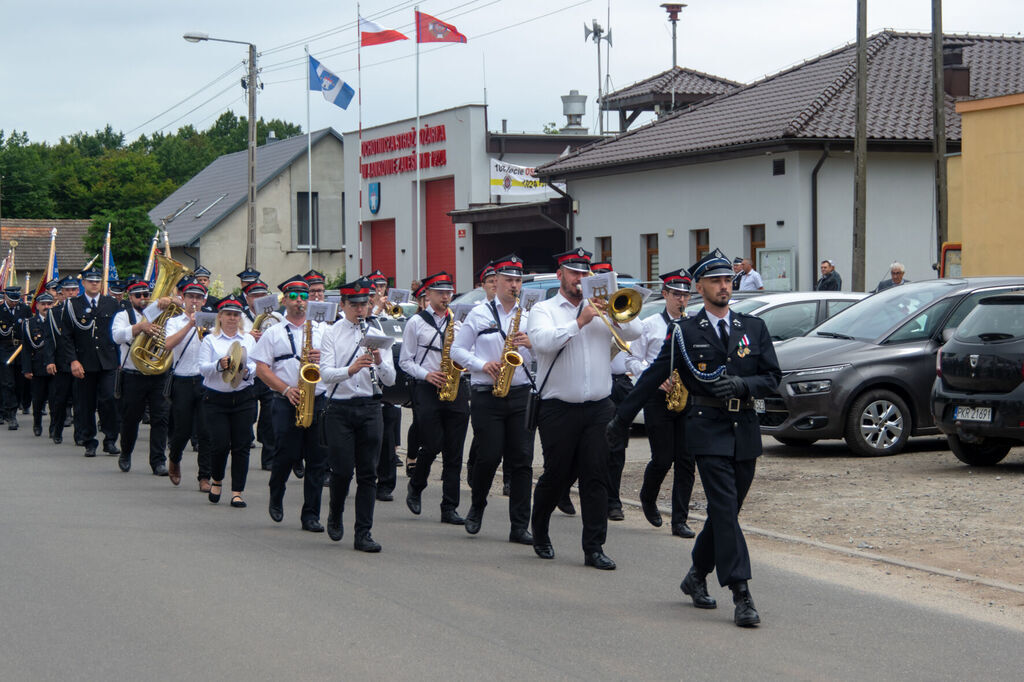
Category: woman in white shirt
[230,409]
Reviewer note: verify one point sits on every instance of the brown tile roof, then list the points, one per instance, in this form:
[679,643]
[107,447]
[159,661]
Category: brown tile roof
[33,237]
[814,101]
[681,80]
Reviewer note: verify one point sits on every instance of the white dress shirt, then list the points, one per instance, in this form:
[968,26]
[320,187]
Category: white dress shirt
[121,332]
[582,373]
[751,281]
[275,343]
[216,346]
[475,344]
[645,350]
[341,347]
[186,353]
[422,343]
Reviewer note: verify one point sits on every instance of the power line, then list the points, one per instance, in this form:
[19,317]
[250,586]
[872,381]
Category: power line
[339,29]
[194,94]
[198,106]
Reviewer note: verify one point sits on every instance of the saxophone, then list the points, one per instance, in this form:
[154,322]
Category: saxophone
[452,370]
[309,376]
[510,358]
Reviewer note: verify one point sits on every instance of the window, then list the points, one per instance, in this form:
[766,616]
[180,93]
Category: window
[649,243]
[969,303]
[305,236]
[701,243]
[603,249]
[755,237]
[923,325]
[787,321]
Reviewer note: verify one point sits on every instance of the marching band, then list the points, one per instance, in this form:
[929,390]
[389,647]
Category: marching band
[325,395]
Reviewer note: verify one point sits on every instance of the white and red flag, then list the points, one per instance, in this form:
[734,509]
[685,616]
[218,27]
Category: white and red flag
[375,34]
[432,30]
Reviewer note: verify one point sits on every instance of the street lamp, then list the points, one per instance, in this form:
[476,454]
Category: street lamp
[251,87]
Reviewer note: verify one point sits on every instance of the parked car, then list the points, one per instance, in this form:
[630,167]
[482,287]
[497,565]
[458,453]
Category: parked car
[865,375]
[978,394]
[796,313]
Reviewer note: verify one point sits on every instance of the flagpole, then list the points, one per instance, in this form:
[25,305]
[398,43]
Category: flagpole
[417,134]
[106,261]
[48,272]
[359,85]
[309,166]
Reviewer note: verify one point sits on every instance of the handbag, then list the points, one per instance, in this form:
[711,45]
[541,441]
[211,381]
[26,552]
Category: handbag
[533,399]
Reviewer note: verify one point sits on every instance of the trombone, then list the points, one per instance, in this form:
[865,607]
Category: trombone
[623,306]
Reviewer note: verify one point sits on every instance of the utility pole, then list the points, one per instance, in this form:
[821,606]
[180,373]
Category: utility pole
[860,144]
[673,9]
[250,237]
[939,129]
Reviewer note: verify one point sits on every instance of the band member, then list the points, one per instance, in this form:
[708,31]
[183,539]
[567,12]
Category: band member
[255,290]
[726,359]
[412,436]
[248,276]
[12,313]
[488,283]
[87,343]
[380,292]
[202,276]
[230,405]
[278,358]
[441,425]
[39,361]
[116,289]
[64,381]
[317,285]
[188,415]
[665,427]
[354,425]
[388,462]
[575,381]
[490,332]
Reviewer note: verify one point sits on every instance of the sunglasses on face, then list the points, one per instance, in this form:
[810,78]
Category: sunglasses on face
[141,295]
[295,295]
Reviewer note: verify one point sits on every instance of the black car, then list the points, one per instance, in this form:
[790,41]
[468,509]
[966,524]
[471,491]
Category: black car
[866,374]
[978,395]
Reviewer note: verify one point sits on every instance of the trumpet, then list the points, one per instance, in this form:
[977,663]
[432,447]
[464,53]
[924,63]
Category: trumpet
[623,306]
[391,309]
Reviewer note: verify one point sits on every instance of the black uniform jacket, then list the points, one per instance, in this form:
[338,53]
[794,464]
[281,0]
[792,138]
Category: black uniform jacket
[714,430]
[40,343]
[86,333]
[10,323]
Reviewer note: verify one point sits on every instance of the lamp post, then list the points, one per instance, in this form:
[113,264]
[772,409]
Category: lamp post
[251,87]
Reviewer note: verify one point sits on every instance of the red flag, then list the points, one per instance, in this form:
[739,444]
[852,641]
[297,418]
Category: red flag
[431,30]
[375,34]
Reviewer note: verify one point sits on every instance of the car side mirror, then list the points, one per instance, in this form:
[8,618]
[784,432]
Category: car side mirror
[947,333]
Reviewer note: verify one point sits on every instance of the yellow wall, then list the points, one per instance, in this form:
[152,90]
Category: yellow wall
[955,197]
[992,172]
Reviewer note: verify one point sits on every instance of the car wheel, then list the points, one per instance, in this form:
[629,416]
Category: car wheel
[878,424]
[987,453]
[795,442]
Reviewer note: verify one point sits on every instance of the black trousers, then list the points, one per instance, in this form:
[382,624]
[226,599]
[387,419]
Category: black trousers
[621,386]
[43,390]
[720,545]
[295,445]
[354,431]
[60,384]
[189,416]
[387,473]
[22,386]
[501,434]
[96,389]
[441,428]
[574,445]
[665,433]
[9,398]
[265,426]
[229,417]
[139,391]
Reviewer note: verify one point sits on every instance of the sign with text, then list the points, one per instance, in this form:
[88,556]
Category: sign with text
[508,179]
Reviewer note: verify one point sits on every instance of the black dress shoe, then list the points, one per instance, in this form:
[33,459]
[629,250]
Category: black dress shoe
[90,452]
[615,514]
[566,506]
[651,512]
[600,561]
[123,463]
[544,549]
[451,516]
[12,423]
[365,543]
[412,499]
[111,449]
[276,511]
[299,470]
[521,537]
[681,530]
[746,615]
[383,496]
[473,520]
[57,440]
[161,470]
[696,587]
[335,530]
[37,431]
[313,526]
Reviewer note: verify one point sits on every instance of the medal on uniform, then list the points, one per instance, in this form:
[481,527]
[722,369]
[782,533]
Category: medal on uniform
[744,347]
[702,366]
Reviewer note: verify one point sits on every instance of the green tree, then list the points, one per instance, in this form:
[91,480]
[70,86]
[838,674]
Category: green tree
[26,178]
[131,232]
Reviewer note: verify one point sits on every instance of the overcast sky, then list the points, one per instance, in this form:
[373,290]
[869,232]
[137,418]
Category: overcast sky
[70,65]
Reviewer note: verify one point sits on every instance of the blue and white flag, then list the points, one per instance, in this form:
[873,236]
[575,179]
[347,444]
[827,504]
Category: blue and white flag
[334,89]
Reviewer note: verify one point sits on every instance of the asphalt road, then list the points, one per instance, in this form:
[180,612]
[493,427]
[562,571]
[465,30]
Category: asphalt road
[118,576]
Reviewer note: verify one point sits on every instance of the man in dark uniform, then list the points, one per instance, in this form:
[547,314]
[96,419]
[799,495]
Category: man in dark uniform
[202,276]
[92,354]
[726,359]
[38,361]
[12,312]
[63,404]
[737,273]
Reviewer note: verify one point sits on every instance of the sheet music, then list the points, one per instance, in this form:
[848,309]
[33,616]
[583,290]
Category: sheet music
[267,304]
[601,285]
[322,311]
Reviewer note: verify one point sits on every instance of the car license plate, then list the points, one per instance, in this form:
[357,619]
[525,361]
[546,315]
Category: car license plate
[759,405]
[972,414]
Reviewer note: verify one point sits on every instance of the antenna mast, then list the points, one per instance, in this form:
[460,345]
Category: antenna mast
[598,34]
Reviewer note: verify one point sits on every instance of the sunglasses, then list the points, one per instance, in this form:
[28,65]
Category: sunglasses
[141,295]
[295,295]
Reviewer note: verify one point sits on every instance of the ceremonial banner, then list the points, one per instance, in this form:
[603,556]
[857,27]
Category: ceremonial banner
[508,179]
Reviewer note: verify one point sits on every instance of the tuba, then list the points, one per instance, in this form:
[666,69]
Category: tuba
[452,370]
[150,354]
[510,358]
[309,376]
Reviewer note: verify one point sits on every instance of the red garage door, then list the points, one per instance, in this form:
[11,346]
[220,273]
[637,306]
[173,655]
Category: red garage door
[439,197]
[382,247]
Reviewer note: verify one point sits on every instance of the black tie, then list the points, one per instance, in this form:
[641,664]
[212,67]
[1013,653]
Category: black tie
[723,333]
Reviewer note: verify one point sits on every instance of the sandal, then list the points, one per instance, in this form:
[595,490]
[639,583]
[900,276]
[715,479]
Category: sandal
[238,502]
[214,496]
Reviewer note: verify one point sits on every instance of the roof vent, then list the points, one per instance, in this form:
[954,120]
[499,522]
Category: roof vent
[271,137]
[574,106]
[956,76]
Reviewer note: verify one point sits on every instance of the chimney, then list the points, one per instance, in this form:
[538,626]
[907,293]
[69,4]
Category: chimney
[956,76]
[271,137]
[574,106]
